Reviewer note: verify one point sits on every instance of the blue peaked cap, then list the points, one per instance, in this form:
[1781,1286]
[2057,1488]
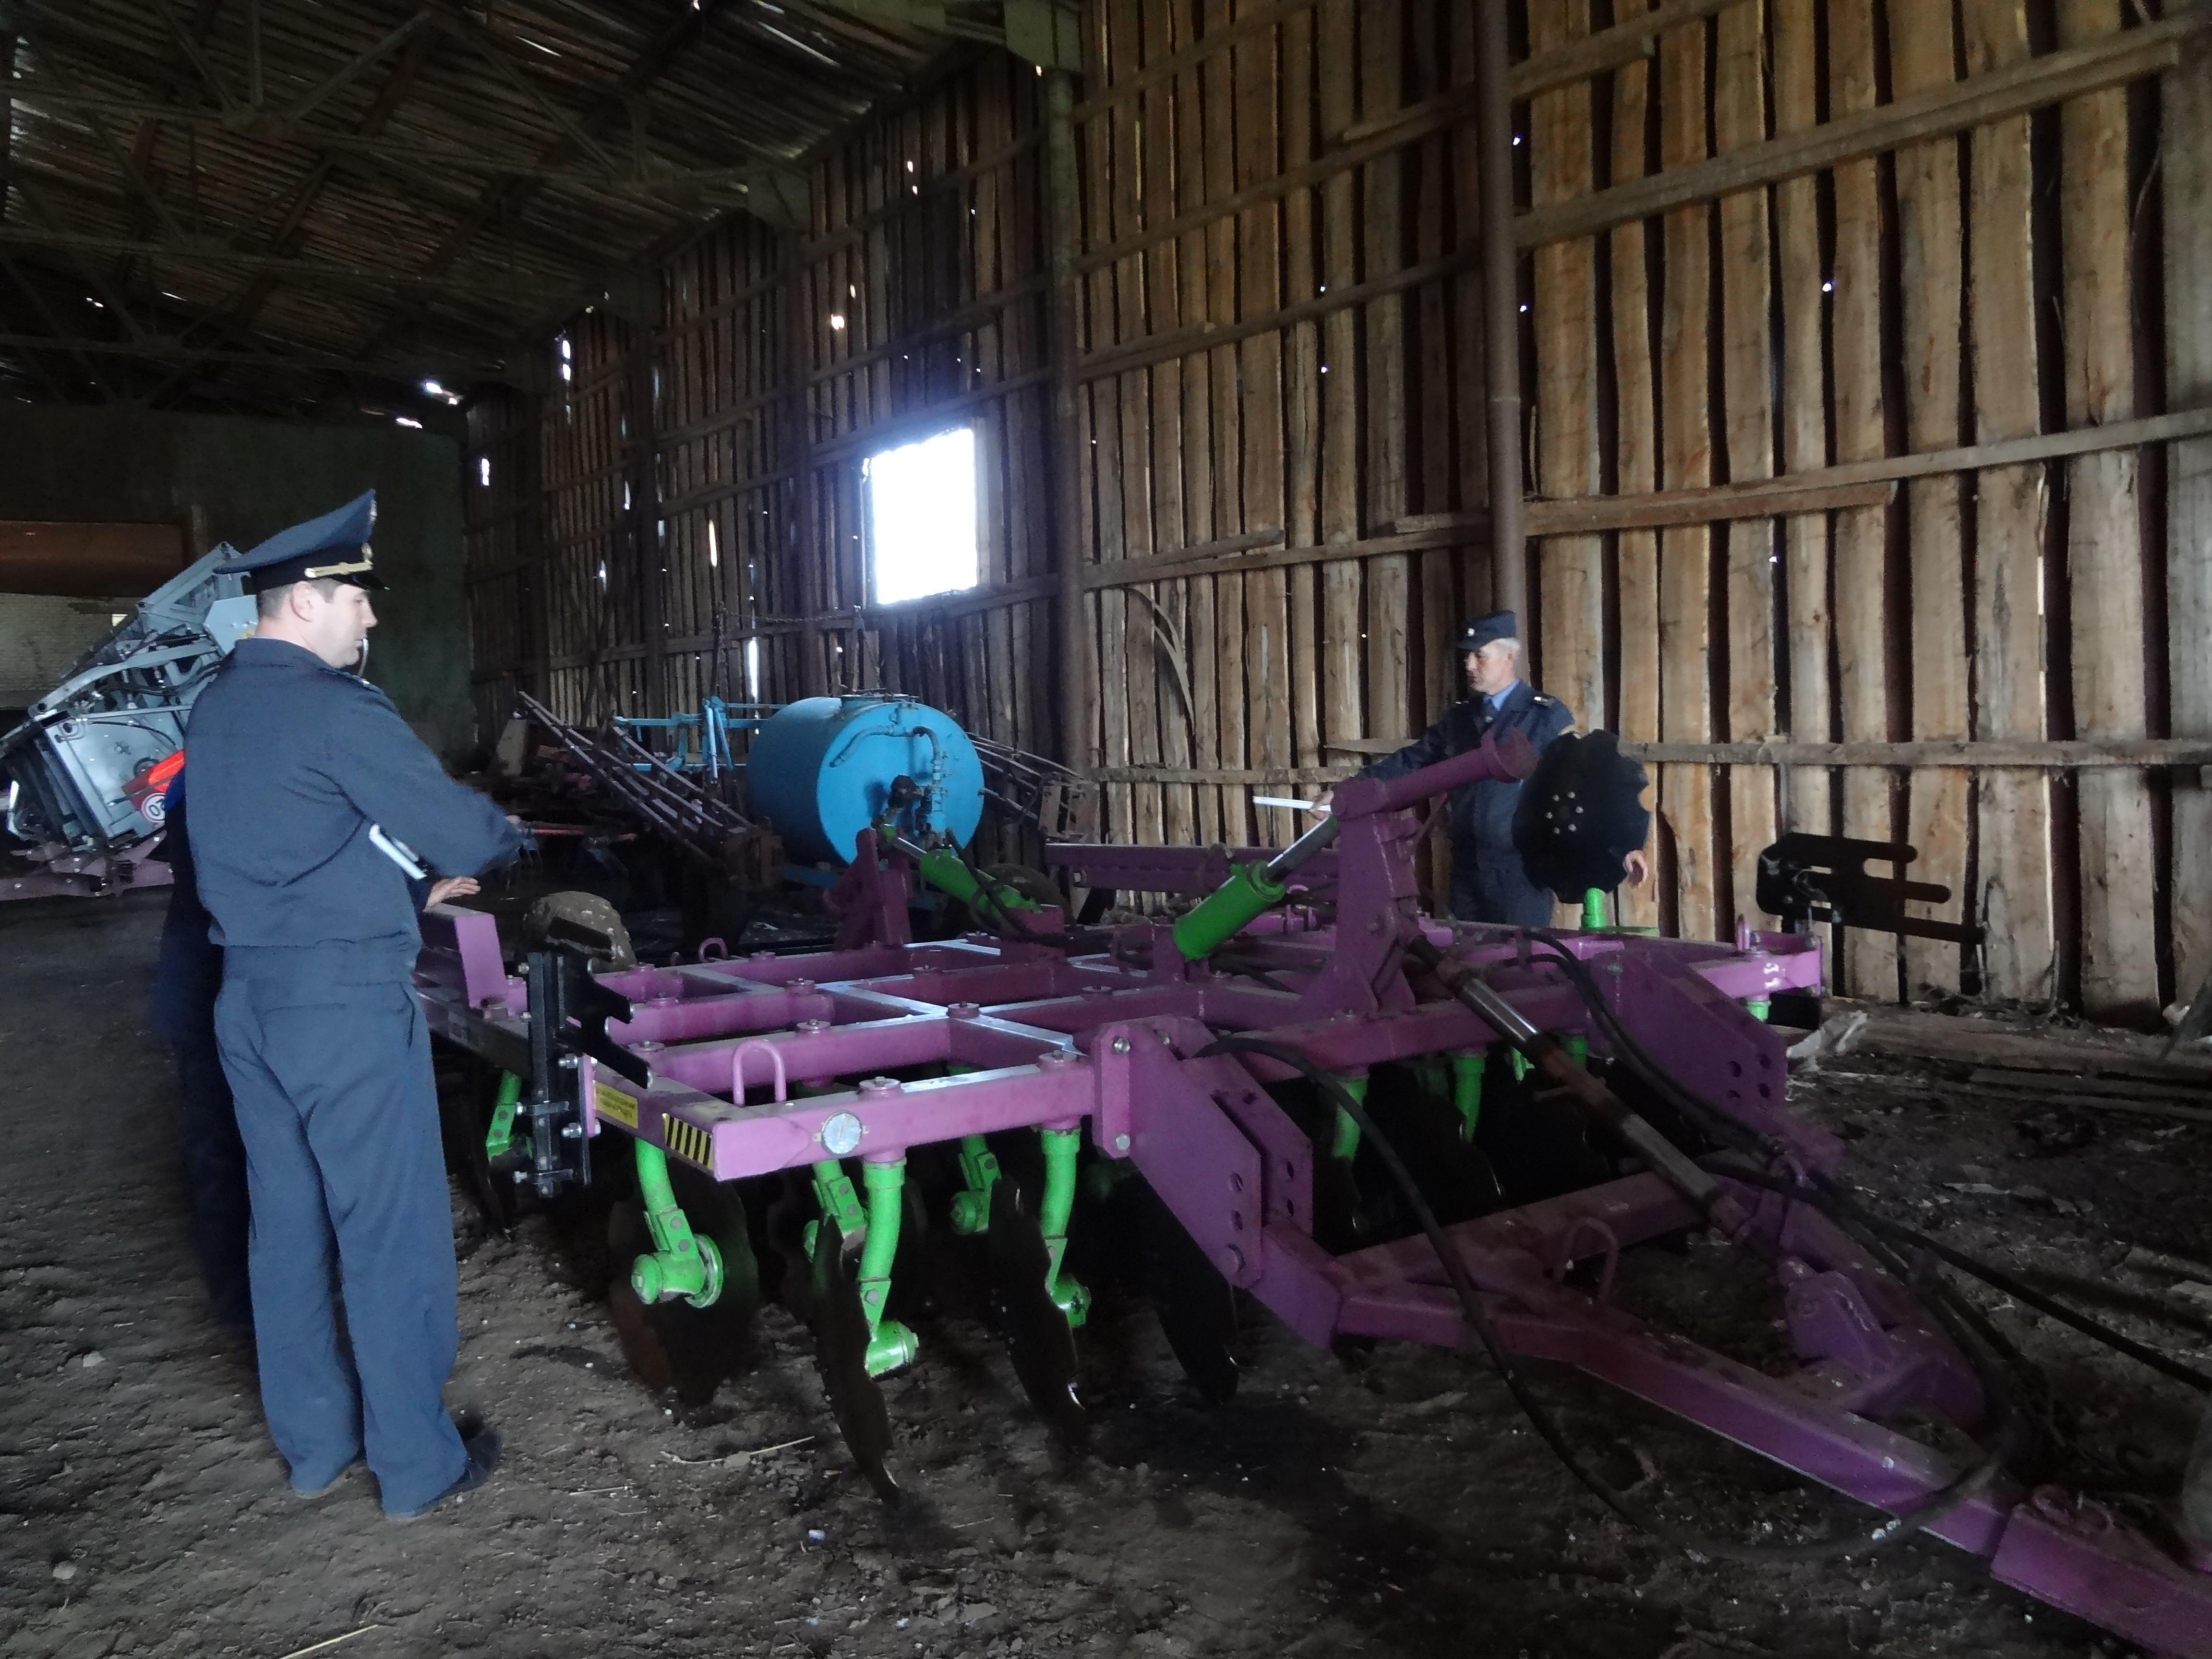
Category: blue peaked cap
[335,545]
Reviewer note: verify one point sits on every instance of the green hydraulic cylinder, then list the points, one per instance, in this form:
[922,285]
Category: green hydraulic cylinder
[499,1139]
[1467,1090]
[1250,892]
[1061,1148]
[946,870]
[1594,910]
[680,1264]
[1227,911]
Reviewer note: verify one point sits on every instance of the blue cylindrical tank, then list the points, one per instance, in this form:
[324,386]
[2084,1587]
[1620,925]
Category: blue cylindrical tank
[821,770]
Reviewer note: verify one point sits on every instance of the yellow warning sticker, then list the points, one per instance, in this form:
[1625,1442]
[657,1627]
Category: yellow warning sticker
[615,1105]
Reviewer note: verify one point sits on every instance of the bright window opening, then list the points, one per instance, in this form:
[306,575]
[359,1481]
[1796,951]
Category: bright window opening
[752,670]
[922,517]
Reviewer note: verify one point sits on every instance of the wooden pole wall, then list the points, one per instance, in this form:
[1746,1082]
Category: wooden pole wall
[1232,440]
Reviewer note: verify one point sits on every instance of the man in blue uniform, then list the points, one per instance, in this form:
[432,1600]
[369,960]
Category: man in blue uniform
[312,807]
[185,983]
[1487,883]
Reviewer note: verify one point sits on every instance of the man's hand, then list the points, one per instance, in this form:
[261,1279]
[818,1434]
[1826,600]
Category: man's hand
[451,887]
[1321,802]
[1638,867]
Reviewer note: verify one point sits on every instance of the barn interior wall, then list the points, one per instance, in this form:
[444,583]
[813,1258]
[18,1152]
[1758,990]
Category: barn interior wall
[232,478]
[1865,363]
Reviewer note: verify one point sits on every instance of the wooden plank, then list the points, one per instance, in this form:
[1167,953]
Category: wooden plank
[1302,381]
[1218,112]
[2012,898]
[1389,656]
[1870,961]
[1268,668]
[1932,287]
[1200,525]
[1687,461]
[1163,310]
[1099,455]
[1636,465]
[2104,540]
[1863,131]
[1569,657]
[2185,152]
[1343,708]
[2044,754]
[1147,645]
[1747,390]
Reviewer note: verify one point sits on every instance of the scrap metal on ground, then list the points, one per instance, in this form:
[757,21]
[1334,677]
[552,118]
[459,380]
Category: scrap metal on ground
[83,772]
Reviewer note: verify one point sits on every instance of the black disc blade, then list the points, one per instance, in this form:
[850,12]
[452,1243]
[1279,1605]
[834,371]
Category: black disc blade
[1196,1305]
[673,1343]
[784,1225]
[1340,1223]
[1037,1335]
[841,1354]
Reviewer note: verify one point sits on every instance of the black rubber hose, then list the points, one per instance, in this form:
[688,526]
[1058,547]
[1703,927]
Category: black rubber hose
[1964,1489]
[1833,1199]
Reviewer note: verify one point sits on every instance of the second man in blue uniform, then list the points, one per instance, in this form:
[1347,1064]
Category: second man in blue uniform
[1487,881]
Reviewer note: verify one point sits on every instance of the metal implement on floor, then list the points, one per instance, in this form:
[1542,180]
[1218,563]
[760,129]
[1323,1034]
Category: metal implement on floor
[1304,1081]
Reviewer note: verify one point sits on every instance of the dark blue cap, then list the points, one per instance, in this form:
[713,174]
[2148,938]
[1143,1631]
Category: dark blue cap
[335,545]
[1487,630]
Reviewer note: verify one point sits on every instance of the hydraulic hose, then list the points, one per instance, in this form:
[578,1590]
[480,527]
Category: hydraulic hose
[1833,1200]
[1964,1489]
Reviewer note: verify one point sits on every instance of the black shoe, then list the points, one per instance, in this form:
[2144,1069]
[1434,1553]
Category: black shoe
[483,1450]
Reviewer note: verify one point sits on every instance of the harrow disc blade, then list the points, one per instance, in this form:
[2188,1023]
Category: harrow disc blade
[841,1354]
[672,1345]
[784,1226]
[1196,1305]
[1037,1334]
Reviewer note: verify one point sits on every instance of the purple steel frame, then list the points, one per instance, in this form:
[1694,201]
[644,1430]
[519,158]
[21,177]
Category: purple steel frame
[1028,1035]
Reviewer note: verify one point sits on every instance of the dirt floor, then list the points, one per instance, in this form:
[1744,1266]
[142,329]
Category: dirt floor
[1382,1503]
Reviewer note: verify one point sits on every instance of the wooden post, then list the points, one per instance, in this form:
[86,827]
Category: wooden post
[1806,802]
[1686,793]
[1932,280]
[644,477]
[2013,896]
[1869,960]
[2186,154]
[1501,314]
[1636,439]
[1747,382]
[1571,567]
[2104,538]
[1342,712]
[1062,204]
[804,557]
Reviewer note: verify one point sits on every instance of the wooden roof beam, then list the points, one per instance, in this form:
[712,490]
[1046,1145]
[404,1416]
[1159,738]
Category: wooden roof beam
[506,198]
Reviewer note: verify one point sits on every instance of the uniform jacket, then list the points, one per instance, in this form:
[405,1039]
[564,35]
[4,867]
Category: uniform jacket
[292,762]
[1480,815]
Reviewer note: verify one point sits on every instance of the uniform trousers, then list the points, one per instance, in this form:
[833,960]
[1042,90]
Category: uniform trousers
[339,1110]
[1488,884]
[215,1177]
